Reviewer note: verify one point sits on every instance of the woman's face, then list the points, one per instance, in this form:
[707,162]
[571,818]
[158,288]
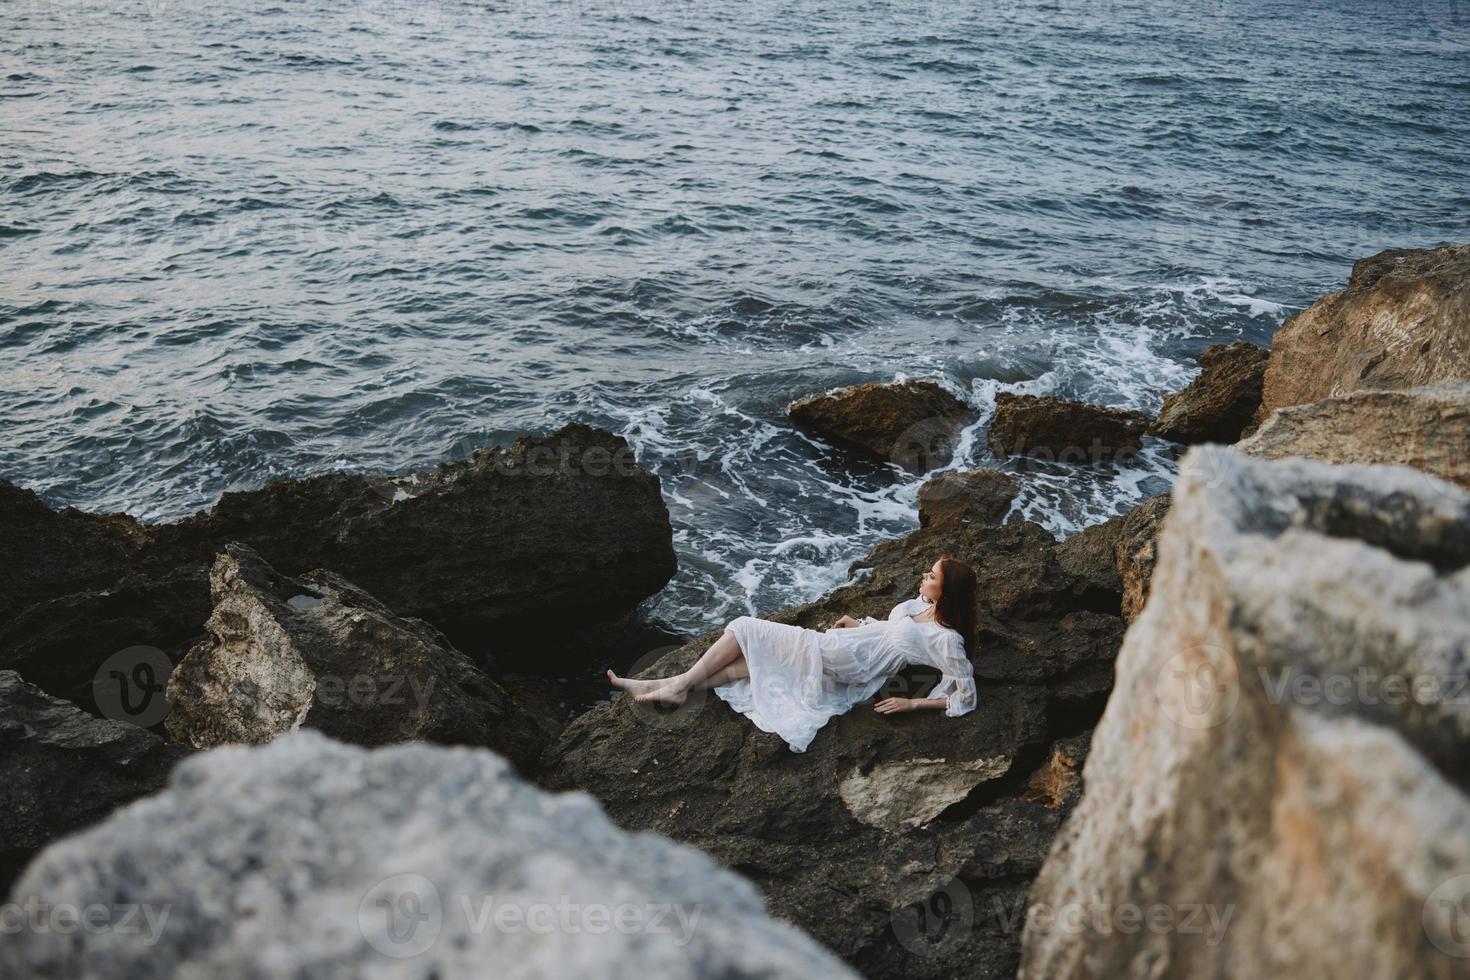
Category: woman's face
[933,584]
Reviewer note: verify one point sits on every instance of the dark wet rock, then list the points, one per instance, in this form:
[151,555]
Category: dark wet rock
[1063,430]
[62,770]
[320,653]
[51,553]
[1283,760]
[1090,557]
[981,496]
[1135,549]
[59,644]
[1426,428]
[541,551]
[551,531]
[307,858]
[914,423]
[882,816]
[1402,322]
[1221,402]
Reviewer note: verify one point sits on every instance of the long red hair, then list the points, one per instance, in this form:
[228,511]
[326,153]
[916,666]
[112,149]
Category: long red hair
[956,605]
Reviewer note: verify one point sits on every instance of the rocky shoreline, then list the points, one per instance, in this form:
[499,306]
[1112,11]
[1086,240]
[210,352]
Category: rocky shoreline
[382,610]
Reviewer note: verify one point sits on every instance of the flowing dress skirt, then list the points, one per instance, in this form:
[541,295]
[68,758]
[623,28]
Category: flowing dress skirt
[800,678]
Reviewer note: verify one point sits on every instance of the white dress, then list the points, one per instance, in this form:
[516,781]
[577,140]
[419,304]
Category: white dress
[799,678]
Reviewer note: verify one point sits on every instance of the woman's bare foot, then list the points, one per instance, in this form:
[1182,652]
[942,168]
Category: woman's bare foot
[665,692]
[633,686]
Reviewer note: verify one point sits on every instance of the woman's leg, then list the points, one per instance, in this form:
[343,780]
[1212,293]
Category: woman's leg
[723,662]
[721,654]
[715,667]
[735,670]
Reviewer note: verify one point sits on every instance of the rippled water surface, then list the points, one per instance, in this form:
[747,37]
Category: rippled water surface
[246,240]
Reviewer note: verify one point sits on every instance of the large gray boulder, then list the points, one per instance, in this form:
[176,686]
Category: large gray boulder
[320,653]
[1402,322]
[62,769]
[1278,786]
[311,859]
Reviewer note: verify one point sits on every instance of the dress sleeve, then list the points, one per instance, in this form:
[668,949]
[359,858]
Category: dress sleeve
[957,685]
[904,608]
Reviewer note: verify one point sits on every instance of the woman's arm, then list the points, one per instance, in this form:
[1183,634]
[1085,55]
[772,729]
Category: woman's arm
[955,692]
[892,706]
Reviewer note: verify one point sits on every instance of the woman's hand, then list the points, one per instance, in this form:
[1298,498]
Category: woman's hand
[893,706]
[846,622]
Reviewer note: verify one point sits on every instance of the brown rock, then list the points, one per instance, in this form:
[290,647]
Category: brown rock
[980,496]
[1063,430]
[1281,774]
[1221,401]
[1057,785]
[1403,321]
[914,424]
[1089,556]
[1426,428]
[553,530]
[1134,551]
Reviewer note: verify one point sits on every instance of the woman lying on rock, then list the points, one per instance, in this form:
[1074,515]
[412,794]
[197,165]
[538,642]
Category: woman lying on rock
[791,680]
